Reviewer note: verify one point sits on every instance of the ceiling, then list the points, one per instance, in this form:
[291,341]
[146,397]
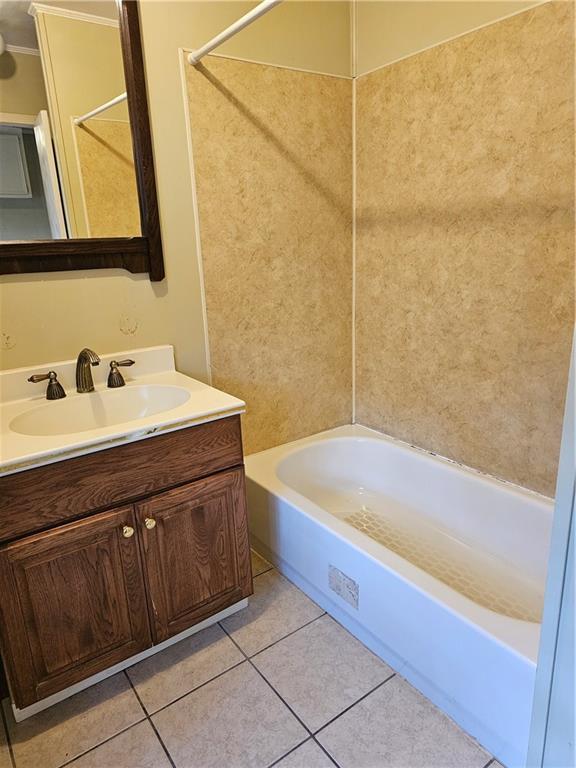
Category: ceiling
[17,26]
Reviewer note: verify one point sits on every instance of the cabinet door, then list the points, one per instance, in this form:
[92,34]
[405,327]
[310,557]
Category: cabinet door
[196,551]
[72,603]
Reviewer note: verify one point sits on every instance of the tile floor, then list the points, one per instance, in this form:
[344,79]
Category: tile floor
[279,684]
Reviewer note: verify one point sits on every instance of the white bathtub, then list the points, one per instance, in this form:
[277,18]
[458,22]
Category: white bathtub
[438,569]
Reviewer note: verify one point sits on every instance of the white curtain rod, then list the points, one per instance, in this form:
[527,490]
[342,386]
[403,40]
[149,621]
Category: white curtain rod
[101,108]
[244,21]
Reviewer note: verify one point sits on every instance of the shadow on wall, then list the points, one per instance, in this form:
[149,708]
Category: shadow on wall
[327,194]
[127,160]
[473,213]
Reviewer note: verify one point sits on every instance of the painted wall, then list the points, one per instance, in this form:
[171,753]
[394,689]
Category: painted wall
[466,244]
[312,35]
[273,159]
[22,89]
[388,30]
[111,309]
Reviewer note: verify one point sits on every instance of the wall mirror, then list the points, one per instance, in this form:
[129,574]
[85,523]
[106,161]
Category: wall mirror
[77,188]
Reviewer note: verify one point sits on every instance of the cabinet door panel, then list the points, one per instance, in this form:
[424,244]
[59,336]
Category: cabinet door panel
[73,604]
[197,556]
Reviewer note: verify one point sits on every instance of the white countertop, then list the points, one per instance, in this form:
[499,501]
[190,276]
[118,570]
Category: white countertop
[154,367]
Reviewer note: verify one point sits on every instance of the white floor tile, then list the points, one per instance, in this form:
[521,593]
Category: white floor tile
[235,721]
[396,727]
[321,670]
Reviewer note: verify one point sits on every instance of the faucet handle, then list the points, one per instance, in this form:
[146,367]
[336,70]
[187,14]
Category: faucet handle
[55,390]
[115,378]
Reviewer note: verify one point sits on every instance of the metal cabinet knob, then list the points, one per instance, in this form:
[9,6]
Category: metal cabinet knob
[150,523]
[127,531]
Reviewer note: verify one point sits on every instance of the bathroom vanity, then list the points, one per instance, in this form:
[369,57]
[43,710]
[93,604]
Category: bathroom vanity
[126,535]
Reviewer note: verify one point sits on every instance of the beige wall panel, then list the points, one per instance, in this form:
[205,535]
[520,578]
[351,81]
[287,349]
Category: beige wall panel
[272,153]
[21,84]
[466,246]
[388,30]
[106,164]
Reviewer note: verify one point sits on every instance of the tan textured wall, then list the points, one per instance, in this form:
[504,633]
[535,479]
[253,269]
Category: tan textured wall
[466,245]
[21,84]
[106,166]
[272,155]
[388,30]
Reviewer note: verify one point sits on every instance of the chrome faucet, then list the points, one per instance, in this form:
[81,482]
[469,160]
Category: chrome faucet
[86,358]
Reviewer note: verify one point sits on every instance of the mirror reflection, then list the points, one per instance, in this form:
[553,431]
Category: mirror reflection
[66,158]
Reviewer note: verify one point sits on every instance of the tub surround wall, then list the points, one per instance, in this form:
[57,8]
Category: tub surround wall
[273,161]
[108,178]
[465,240]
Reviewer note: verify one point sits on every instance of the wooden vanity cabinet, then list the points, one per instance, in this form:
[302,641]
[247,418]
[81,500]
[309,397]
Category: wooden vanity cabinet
[82,596]
[195,550]
[73,604]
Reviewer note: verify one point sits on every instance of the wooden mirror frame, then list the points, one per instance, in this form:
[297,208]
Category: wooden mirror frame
[135,254]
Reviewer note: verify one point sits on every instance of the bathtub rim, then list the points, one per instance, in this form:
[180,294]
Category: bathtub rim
[517,636]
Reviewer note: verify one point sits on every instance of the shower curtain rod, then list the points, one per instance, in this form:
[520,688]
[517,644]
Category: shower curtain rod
[101,108]
[244,21]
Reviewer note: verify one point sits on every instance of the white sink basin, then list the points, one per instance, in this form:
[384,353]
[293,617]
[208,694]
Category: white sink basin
[100,409]
[156,398]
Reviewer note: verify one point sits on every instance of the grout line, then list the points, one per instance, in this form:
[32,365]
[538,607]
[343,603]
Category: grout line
[255,576]
[100,743]
[196,688]
[279,759]
[149,720]
[328,755]
[7,733]
[302,723]
[293,632]
[164,747]
[290,751]
[249,660]
[131,684]
[364,696]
